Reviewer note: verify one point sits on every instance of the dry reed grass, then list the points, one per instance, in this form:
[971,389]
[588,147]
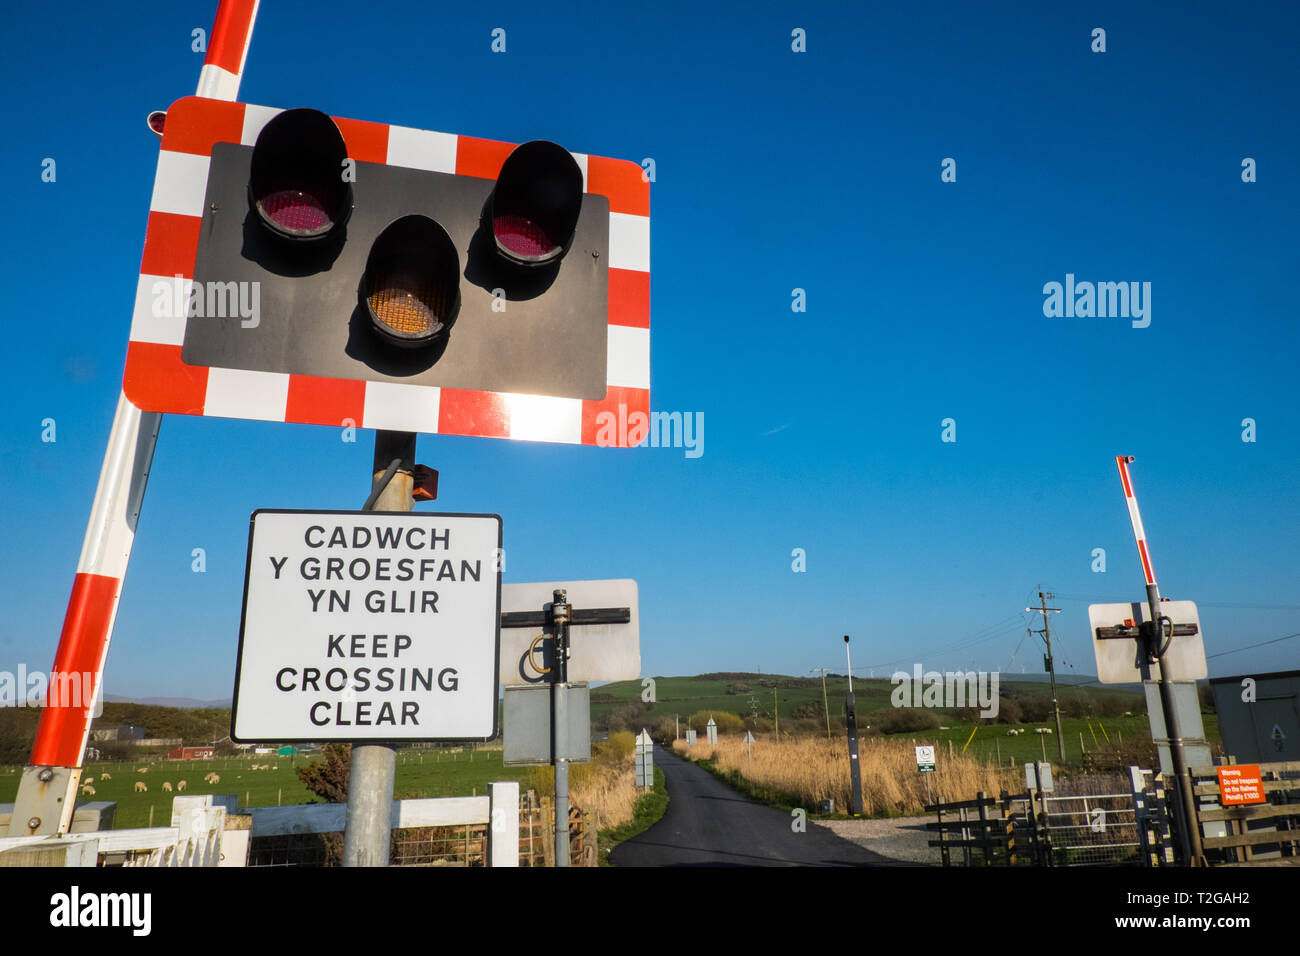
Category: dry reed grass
[611,794]
[606,786]
[810,770]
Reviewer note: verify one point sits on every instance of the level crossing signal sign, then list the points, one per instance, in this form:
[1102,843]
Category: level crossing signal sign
[300,267]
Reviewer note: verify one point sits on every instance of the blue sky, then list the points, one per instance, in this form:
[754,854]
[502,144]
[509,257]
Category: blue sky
[775,170]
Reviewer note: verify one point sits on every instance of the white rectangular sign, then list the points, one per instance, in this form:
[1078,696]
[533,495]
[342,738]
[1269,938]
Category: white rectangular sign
[1117,658]
[363,625]
[1040,779]
[597,652]
[925,759]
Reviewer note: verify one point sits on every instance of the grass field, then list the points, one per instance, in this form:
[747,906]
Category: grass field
[990,741]
[686,695]
[419,774]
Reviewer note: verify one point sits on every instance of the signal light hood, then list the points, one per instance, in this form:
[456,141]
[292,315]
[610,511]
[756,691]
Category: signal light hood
[295,185]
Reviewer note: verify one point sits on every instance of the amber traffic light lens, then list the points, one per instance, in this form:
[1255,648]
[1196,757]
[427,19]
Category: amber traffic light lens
[409,306]
[412,282]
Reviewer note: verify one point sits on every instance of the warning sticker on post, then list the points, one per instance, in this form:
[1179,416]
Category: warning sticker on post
[361,625]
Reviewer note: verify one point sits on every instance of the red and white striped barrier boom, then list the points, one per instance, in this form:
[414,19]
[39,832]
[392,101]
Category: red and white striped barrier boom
[1135,516]
[44,803]
[1189,833]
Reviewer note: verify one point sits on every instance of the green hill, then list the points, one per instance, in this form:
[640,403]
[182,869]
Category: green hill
[799,700]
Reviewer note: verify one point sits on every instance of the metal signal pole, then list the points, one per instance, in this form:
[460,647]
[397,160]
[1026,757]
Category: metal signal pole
[1156,640]
[560,616]
[370,781]
[851,724]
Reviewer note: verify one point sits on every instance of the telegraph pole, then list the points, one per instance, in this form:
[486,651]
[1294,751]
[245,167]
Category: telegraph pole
[825,701]
[1049,664]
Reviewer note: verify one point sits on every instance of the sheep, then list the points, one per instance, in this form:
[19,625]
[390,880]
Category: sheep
[167,786]
[141,769]
[141,787]
[87,790]
[212,778]
[277,767]
[180,786]
[105,776]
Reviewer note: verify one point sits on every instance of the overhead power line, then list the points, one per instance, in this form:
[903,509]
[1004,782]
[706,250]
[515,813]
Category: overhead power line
[1251,647]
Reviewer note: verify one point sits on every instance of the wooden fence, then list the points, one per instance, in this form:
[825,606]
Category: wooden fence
[1035,829]
[537,833]
[1262,834]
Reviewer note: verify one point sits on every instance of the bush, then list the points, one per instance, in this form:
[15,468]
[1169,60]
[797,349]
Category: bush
[1010,711]
[664,730]
[620,744]
[903,720]
[626,717]
[328,778]
[1035,709]
[810,708]
[726,723]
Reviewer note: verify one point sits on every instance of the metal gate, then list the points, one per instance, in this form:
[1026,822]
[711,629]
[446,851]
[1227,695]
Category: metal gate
[1093,830]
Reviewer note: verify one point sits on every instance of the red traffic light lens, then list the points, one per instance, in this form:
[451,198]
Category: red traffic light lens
[295,182]
[535,204]
[412,282]
[296,212]
[523,237]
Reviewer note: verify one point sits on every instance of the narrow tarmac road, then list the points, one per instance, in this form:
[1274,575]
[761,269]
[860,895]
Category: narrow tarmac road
[709,824]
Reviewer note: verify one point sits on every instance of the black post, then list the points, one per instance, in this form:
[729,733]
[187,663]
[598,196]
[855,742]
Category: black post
[560,617]
[851,721]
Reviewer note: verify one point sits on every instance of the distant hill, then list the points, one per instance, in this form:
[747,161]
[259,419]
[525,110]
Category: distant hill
[800,699]
[185,703]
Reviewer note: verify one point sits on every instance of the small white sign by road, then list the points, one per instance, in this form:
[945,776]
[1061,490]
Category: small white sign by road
[369,626]
[925,759]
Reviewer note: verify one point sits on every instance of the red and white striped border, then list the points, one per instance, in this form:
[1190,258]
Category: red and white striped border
[1139,533]
[157,379]
[232,31]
